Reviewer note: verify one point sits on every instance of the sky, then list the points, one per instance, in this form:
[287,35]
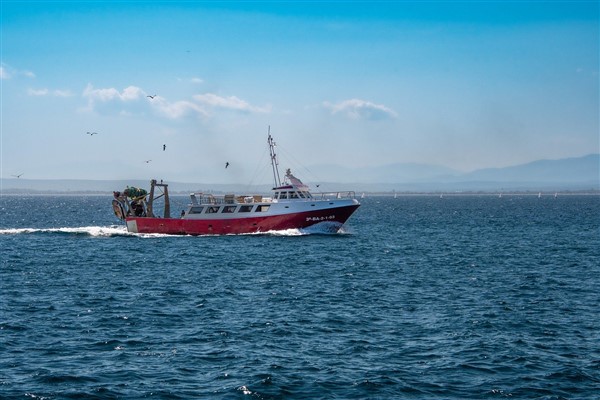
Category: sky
[460,84]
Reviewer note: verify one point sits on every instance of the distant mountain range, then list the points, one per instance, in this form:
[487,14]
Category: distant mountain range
[580,173]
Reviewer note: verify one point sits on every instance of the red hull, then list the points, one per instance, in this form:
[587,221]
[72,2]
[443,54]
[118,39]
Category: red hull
[333,218]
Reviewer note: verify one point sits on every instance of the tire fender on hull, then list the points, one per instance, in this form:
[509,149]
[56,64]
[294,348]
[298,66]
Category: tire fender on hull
[119,210]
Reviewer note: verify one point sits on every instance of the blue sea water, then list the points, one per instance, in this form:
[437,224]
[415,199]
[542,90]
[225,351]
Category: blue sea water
[421,297]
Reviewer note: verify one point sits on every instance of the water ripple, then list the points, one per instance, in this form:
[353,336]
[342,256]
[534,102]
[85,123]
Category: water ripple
[468,297]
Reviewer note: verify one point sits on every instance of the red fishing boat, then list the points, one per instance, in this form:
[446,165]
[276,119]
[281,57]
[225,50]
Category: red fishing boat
[291,205]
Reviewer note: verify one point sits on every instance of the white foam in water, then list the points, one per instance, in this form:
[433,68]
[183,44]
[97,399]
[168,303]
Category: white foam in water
[117,230]
[86,230]
[325,227]
[328,228]
[286,232]
[98,230]
[155,235]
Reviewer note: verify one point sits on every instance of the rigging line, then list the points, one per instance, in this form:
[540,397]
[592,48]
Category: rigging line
[300,165]
[260,168]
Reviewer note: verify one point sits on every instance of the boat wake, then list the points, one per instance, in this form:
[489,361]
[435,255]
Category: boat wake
[322,228]
[325,228]
[284,232]
[96,231]
[118,230]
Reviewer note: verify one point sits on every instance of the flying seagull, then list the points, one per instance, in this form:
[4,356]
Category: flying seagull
[92,133]
[17,176]
[152,97]
[227,164]
[147,161]
[164,147]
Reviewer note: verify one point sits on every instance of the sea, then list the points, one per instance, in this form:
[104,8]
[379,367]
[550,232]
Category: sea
[419,297]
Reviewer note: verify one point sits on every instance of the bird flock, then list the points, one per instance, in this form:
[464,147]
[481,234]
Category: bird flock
[164,146]
[148,161]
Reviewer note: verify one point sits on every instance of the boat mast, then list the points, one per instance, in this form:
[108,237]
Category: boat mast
[274,162]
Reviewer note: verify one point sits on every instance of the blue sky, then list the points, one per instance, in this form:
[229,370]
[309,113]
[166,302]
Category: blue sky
[466,85]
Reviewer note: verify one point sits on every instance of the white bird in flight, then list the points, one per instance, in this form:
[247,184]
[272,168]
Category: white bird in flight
[92,133]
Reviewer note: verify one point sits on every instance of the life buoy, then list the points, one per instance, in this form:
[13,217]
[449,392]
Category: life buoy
[118,209]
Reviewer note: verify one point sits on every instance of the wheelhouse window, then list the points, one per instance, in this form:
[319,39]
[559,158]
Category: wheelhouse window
[212,210]
[245,209]
[262,208]
[283,195]
[196,210]
[228,209]
[293,195]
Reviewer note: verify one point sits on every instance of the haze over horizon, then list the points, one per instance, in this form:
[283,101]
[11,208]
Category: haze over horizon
[464,85]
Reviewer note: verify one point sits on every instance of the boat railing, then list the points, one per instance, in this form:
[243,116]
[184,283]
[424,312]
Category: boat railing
[335,195]
[204,198]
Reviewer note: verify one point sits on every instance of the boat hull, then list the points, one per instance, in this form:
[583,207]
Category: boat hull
[327,220]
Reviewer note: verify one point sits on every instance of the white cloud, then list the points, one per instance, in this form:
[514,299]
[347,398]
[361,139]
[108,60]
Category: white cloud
[132,93]
[7,72]
[100,94]
[4,74]
[198,106]
[178,109]
[62,93]
[361,109]
[46,92]
[231,103]
[201,105]
[108,98]
[128,94]
[193,79]
[37,92]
